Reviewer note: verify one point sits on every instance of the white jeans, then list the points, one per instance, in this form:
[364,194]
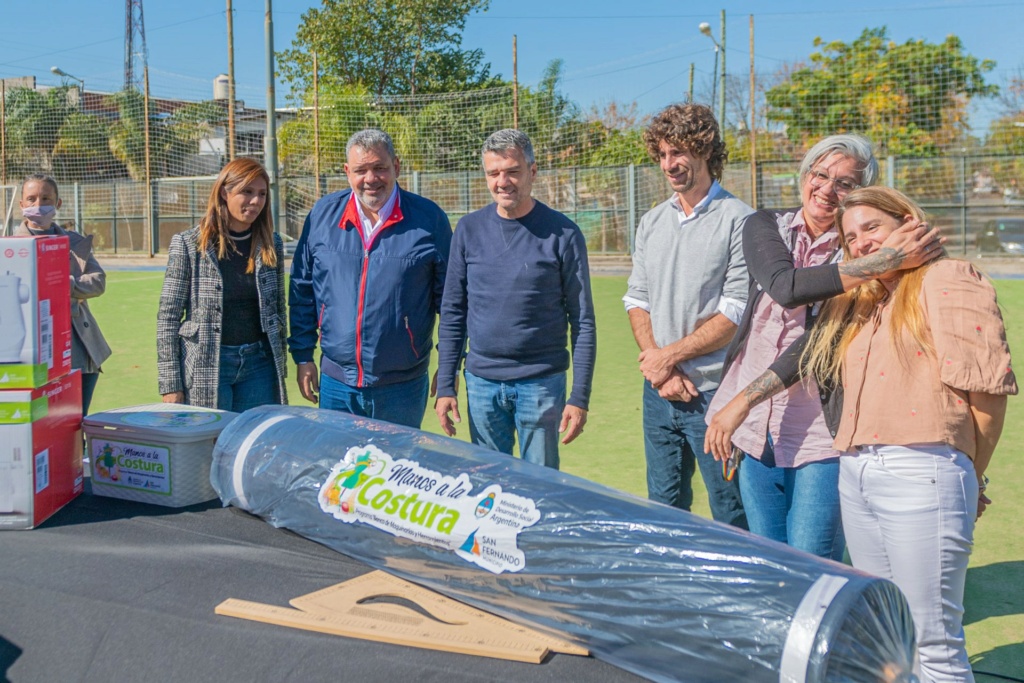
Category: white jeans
[908,514]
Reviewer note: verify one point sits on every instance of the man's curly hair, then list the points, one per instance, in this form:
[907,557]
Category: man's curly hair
[689,127]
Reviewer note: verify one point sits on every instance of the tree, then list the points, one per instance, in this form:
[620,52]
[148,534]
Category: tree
[909,98]
[173,137]
[34,120]
[343,111]
[617,136]
[1006,134]
[391,47]
[82,149]
[552,121]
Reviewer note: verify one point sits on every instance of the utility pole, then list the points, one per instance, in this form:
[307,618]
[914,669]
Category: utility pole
[721,82]
[753,121]
[3,133]
[270,142]
[231,84]
[316,122]
[515,84]
[153,235]
[689,97]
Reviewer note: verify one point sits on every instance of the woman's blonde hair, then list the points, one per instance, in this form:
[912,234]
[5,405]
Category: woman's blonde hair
[213,227]
[842,317]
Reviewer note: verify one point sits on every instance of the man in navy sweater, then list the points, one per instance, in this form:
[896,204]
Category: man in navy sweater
[517,278]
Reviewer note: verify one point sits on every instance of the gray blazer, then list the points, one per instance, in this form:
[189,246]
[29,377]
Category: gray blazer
[188,325]
[88,347]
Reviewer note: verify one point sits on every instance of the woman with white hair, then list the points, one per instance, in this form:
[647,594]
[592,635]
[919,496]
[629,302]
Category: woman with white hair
[789,482]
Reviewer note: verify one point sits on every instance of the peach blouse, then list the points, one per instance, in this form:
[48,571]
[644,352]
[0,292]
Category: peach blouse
[921,395]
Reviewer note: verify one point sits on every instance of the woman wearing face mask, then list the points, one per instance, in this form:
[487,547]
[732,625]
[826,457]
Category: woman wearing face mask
[221,324]
[39,203]
[924,363]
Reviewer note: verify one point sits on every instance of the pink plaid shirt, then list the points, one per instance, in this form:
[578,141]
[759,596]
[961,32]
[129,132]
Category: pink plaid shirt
[793,418]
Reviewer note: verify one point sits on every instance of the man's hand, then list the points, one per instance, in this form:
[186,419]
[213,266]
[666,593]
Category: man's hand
[678,387]
[309,383]
[913,244]
[573,419]
[433,385]
[718,438]
[656,365]
[174,397]
[443,406]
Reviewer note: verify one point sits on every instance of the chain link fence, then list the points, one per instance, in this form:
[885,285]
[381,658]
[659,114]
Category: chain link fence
[974,200]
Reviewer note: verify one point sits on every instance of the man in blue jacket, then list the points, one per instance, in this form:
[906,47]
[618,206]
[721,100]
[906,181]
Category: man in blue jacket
[518,282]
[368,276]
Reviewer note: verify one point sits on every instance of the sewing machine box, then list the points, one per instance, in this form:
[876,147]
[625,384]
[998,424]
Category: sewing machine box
[35,311]
[40,451]
[159,453]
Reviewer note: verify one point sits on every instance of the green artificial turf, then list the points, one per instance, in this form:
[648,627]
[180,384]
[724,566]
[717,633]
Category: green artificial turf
[611,449]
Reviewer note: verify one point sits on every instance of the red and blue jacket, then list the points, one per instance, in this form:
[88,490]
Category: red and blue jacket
[371,305]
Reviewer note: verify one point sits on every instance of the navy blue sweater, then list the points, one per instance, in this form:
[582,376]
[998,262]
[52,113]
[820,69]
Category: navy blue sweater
[513,288]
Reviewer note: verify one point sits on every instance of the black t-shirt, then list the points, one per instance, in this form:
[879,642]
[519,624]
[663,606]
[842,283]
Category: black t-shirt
[240,322]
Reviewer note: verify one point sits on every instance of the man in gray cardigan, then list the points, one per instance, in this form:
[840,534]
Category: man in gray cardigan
[685,297]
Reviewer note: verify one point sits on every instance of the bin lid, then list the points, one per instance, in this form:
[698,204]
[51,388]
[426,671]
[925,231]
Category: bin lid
[174,420]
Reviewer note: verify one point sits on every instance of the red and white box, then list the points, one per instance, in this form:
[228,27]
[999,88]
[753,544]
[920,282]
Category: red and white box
[40,451]
[35,311]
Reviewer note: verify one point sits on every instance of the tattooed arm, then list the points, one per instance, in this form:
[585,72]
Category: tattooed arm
[718,438]
[912,244]
[771,264]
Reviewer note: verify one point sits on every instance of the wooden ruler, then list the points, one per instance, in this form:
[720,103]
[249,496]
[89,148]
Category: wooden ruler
[430,621]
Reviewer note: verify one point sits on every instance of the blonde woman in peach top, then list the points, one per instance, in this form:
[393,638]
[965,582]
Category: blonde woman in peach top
[925,366]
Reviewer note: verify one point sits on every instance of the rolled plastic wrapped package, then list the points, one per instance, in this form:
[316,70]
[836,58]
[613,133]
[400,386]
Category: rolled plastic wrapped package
[649,588]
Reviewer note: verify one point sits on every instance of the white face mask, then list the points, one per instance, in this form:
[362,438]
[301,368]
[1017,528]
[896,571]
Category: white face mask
[41,216]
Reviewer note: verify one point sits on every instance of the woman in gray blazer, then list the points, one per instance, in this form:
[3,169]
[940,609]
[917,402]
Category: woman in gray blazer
[221,326]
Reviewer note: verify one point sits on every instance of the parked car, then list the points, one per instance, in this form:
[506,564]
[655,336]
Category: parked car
[1001,236]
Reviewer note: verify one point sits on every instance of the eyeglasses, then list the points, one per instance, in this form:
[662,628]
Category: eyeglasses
[842,186]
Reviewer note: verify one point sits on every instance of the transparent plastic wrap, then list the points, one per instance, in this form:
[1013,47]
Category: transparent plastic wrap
[654,590]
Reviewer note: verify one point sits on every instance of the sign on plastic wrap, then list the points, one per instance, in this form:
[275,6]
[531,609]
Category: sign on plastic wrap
[654,590]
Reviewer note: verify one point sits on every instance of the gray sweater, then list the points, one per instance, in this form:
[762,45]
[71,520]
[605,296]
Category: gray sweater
[682,271]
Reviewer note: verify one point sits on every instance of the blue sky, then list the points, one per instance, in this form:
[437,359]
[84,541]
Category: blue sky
[622,51]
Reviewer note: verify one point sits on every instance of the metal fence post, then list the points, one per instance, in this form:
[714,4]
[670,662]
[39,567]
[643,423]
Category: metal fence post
[963,203]
[416,182]
[154,217]
[113,214]
[890,171]
[631,205]
[79,225]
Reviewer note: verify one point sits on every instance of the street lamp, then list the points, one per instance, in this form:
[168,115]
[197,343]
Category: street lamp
[705,28]
[64,74]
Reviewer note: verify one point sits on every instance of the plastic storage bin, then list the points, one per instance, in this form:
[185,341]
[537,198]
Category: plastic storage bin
[158,453]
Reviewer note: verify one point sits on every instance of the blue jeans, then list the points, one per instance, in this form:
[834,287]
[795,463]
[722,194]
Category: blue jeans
[247,377]
[674,444]
[531,408]
[402,403]
[89,380]
[794,505]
